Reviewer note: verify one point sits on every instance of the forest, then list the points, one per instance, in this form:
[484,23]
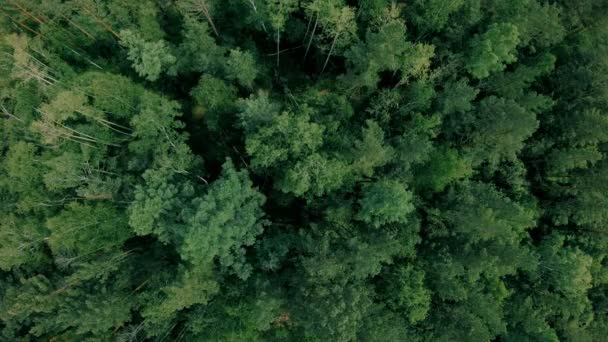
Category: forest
[304,170]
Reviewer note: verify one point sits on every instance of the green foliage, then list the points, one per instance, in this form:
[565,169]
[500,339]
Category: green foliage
[149,59]
[83,229]
[584,128]
[243,319]
[197,38]
[156,138]
[487,215]
[415,144]
[561,160]
[406,292]
[316,170]
[22,242]
[157,203]
[444,166]
[433,15]
[315,173]
[338,25]
[385,202]
[215,97]
[386,49]
[288,135]
[292,139]
[278,12]
[457,98]
[513,84]
[492,50]
[501,127]
[223,221]
[241,67]
[257,110]
[539,23]
[371,151]
[22,176]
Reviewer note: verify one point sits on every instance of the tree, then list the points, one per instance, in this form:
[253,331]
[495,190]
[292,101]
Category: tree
[222,222]
[278,13]
[318,170]
[243,317]
[196,38]
[563,279]
[156,137]
[149,59]
[370,151]
[492,50]
[457,97]
[443,167]
[22,242]
[334,266]
[584,128]
[341,27]
[482,231]
[70,313]
[433,15]
[384,202]
[513,84]
[501,128]
[559,161]
[406,292]
[22,177]
[313,10]
[289,135]
[582,201]
[415,144]
[200,8]
[539,24]
[157,204]
[257,110]
[337,322]
[316,174]
[215,98]
[192,287]
[241,67]
[81,230]
[65,172]
[386,49]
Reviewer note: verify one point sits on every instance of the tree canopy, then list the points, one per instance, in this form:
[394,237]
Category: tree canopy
[303,170]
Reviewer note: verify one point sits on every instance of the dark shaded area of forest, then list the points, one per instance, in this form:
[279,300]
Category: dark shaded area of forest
[314,170]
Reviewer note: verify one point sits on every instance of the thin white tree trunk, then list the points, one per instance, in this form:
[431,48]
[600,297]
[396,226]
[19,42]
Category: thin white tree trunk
[333,44]
[205,11]
[312,35]
[278,46]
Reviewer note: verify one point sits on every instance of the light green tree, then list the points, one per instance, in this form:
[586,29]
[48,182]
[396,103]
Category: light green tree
[149,59]
[384,202]
[493,50]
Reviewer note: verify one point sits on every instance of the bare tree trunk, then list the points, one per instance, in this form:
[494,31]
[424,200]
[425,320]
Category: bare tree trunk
[27,28]
[86,33]
[23,10]
[5,112]
[108,124]
[103,23]
[312,35]
[307,29]
[278,46]
[255,9]
[333,44]
[205,11]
